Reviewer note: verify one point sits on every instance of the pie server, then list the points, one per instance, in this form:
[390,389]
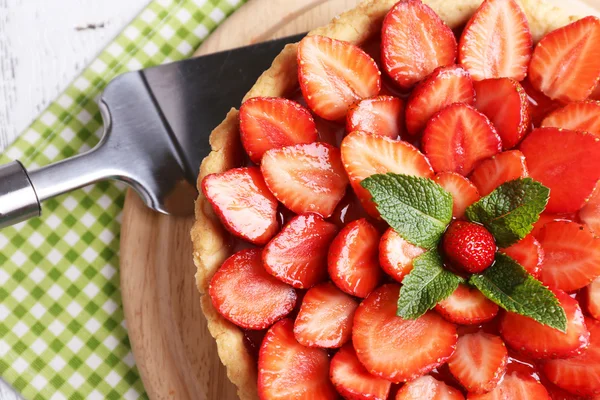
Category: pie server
[156,127]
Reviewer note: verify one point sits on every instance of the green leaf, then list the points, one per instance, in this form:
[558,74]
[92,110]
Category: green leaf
[510,211]
[417,208]
[425,285]
[507,284]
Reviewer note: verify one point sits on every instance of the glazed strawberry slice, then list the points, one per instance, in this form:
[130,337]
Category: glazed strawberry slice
[272,122]
[496,43]
[381,115]
[325,317]
[444,86]
[538,341]
[352,380]
[540,105]
[458,137]
[546,218]
[579,116]
[364,154]
[243,203]
[242,277]
[515,386]
[298,254]
[479,361]
[567,162]
[564,64]
[396,255]
[463,192]
[288,370]
[505,103]
[467,306]
[579,375]
[572,255]
[529,253]
[334,74]
[590,213]
[306,177]
[493,172]
[397,349]
[428,388]
[592,298]
[414,42]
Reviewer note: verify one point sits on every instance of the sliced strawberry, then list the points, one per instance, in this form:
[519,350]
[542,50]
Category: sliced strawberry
[306,177]
[242,277]
[572,255]
[272,122]
[595,93]
[493,172]
[334,74]
[298,254]
[546,218]
[414,42]
[364,154]
[444,86]
[529,253]
[579,116]
[515,386]
[535,340]
[396,255]
[397,349]
[288,370]
[592,298]
[353,261]
[428,388]
[564,64]
[540,105]
[243,203]
[506,104]
[467,306]
[381,115]
[458,137]
[352,380]
[479,361]
[567,162]
[579,375]
[463,192]
[590,213]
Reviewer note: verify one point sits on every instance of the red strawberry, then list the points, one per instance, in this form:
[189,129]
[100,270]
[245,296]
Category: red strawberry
[469,246]
[493,172]
[579,375]
[397,349]
[506,104]
[458,137]
[590,212]
[564,65]
[546,218]
[540,105]
[353,381]
[381,115]
[444,86]
[467,306]
[529,253]
[414,42]
[352,263]
[334,74]
[592,298]
[364,154]
[306,177]
[595,93]
[396,255]
[272,122]
[463,192]
[572,255]
[515,386]
[243,203]
[535,340]
[298,254]
[567,162]
[479,361]
[428,388]
[325,317]
[288,370]
[242,277]
[580,116]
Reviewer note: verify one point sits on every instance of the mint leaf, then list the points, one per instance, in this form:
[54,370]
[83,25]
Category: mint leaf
[507,284]
[425,285]
[510,211]
[417,208]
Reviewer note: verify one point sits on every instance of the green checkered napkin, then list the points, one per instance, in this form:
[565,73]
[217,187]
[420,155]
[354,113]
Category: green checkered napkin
[62,332]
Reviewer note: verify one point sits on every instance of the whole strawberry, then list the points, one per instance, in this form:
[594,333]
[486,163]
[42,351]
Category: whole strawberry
[469,246]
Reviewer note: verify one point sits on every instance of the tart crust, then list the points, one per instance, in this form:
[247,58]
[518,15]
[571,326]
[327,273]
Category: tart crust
[211,242]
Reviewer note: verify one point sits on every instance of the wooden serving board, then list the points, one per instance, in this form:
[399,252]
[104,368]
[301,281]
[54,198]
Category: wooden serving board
[174,352]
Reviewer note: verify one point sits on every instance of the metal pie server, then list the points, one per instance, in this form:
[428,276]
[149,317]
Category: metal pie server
[156,127]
